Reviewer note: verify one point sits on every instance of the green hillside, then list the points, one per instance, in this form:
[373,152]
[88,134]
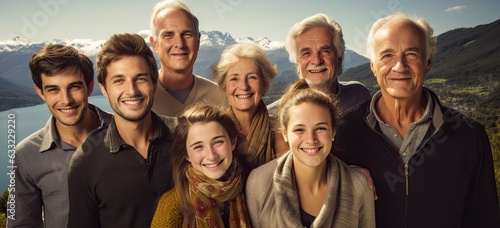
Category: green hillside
[16,96]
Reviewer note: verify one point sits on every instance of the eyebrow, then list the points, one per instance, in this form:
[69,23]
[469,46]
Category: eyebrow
[317,124]
[389,50]
[326,46]
[123,76]
[214,138]
[56,86]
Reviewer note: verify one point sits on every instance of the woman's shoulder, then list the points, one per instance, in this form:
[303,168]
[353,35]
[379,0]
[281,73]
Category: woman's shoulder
[358,179]
[266,169]
[167,212]
[263,175]
[169,197]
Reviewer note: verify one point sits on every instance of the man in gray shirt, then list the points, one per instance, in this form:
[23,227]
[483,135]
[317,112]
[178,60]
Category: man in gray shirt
[63,78]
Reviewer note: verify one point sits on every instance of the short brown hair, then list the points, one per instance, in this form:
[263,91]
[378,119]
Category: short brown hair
[54,58]
[124,44]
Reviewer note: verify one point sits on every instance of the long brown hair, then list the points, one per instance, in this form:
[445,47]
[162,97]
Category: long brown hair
[201,113]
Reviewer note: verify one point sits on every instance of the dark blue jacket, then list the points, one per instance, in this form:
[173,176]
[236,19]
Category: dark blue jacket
[450,181]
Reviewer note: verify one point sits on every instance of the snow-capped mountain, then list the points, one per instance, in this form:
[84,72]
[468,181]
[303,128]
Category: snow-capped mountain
[15,55]
[91,47]
[215,39]
[265,43]
[13,45]
[87,46]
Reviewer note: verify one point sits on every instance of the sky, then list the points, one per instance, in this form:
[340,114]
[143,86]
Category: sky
[44,20]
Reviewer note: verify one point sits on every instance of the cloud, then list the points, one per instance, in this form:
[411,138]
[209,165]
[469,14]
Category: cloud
[455,8]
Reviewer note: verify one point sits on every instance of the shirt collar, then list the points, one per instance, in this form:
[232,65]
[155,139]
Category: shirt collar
[51,137]
[435,115]
[115,143]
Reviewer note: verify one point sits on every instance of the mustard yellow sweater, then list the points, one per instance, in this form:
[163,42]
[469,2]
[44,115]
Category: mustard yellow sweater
[167,212]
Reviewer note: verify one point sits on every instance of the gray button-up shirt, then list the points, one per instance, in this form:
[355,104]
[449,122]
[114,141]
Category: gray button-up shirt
[42,161]
[417,131]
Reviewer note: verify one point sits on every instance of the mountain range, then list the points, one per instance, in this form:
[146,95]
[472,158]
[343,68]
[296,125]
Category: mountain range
[15,55]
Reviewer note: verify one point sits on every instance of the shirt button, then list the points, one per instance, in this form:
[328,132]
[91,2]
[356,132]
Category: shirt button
[404,154]
[395,135]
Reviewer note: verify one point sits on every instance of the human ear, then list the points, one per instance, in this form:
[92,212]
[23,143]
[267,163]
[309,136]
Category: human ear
[39,92]
[103,90]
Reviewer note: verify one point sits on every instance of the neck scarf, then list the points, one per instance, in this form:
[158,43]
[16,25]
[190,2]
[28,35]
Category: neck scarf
[338,208]
[204,192]
[258,140]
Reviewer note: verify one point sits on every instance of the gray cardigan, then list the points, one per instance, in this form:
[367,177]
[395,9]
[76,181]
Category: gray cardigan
[273,201]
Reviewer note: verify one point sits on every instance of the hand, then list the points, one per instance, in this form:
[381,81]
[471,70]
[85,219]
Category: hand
[365,172]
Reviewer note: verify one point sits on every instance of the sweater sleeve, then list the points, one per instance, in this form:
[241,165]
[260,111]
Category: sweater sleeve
[26,195]
[167,212]
[367,208]
[481,205]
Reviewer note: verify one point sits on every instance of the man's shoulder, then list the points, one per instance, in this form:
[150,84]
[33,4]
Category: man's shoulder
[455,117]
[92,146]
[361,109]
[354,86]
[262,175]
[104,116]
[205,81]
[169,121]
[31,143]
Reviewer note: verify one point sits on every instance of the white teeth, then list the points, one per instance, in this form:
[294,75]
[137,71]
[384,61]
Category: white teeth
[132,102]
[243,96]
[212,165]
[68,110]
[317,71]
[312,150]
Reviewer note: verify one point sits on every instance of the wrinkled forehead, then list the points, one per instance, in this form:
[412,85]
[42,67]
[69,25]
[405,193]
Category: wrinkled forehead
[177,15]
[399,28]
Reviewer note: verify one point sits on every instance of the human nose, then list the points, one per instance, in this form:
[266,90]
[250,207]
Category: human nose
[316,58]
[178,41]
[400,65]
[243,84]
[132,88]
[311,138]
[210,153]
[67,98]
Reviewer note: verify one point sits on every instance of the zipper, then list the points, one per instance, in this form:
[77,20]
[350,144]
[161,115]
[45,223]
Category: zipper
[406,177]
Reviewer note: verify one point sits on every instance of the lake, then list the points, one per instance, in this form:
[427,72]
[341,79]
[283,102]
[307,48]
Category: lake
[27,121]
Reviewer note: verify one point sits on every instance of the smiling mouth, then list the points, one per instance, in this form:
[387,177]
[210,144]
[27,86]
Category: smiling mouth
[180,54]
[68,110]
[311,151]
[244,96]
[132,102]
[319,70]
[212,166]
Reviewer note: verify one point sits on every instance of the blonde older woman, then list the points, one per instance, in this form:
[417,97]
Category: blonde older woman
[244,72]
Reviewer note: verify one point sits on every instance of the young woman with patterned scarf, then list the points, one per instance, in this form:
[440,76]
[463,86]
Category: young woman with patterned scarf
[209,171]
